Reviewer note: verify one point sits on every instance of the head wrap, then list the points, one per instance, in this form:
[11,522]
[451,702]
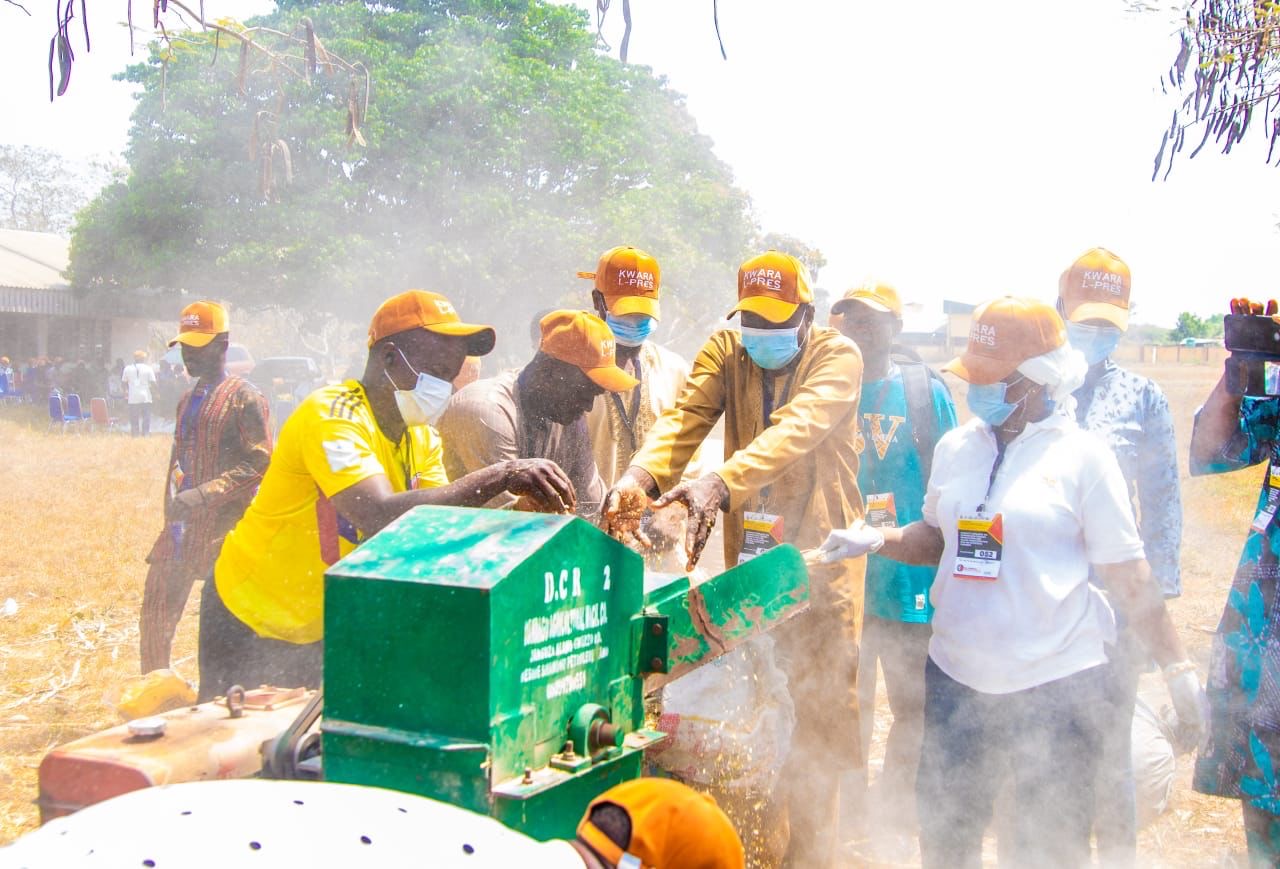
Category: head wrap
[1062,370]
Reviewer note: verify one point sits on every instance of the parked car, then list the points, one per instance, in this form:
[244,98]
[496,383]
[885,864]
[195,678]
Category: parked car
[239,359]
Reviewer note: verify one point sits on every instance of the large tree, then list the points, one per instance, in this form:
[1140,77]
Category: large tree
[503,154]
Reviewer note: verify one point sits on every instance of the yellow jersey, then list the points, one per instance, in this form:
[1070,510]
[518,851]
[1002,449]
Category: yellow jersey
[270,573]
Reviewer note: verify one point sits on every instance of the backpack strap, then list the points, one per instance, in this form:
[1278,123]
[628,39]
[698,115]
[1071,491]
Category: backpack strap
[917,380]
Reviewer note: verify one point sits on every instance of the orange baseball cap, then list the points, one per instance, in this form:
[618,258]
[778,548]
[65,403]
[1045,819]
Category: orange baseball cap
[201,322]
[1005,333]
[878,297]
[419,309]
[584,340]
[672,825]
[773,285]
[1096,287]
[629,280]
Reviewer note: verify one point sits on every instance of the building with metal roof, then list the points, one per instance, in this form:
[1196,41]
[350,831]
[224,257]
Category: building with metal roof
[40,315]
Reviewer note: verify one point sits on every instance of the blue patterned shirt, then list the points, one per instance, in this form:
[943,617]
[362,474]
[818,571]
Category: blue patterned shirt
[1130,413]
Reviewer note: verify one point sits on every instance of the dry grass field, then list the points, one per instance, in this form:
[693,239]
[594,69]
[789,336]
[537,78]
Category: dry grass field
[78,514]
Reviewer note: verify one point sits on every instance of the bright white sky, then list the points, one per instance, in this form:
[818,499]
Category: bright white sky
[957,150]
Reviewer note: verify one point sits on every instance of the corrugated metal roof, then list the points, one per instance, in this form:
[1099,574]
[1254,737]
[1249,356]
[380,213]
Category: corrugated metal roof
[33,260]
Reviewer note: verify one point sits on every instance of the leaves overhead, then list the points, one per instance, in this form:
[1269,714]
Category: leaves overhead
[495,154]
[1227,71]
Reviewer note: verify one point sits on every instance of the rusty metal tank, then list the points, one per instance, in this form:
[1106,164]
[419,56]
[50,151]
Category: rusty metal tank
[215,740]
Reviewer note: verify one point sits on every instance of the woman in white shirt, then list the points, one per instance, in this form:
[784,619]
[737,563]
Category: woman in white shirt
[1020,505]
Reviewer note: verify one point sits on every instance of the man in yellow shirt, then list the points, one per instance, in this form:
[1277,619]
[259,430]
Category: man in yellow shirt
[627,284]
[788,393]
[351,458]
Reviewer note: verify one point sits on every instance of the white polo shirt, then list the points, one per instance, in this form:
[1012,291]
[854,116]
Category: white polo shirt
[1064,506]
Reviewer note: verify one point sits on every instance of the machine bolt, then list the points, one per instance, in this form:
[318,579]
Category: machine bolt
[528,776]
[656,630]
[568,750]
[655,664]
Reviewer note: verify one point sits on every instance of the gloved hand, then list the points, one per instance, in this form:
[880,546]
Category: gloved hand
[858,539]
[1189,700]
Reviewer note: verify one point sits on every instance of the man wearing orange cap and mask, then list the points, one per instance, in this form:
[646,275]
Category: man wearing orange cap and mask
[540,410]
[1131,414]
[788,393]
[627,284]
[221,447]
[352,457]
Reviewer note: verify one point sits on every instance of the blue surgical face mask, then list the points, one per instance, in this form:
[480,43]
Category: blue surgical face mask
[771,348]
[1094,342]
[423,404]
[987,402]
[631,330]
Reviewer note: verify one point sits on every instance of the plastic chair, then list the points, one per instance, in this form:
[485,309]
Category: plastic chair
[58,415]
[74,408]
[75,411]
[101,415]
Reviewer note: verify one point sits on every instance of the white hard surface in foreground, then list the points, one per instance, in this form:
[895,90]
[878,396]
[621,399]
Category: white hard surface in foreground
[256,822]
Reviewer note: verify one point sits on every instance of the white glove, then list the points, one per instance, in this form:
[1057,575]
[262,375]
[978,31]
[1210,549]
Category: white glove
[856,540]
[1189,700]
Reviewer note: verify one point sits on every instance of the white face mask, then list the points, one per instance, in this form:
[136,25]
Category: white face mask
[423,404]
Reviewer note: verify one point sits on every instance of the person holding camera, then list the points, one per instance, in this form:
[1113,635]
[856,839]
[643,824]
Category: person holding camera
[1236,430]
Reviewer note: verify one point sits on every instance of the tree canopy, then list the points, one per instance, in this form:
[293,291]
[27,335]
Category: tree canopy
[1191,325]
[501,154]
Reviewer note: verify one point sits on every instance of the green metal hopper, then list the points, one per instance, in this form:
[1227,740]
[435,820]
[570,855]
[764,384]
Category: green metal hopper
[498,660]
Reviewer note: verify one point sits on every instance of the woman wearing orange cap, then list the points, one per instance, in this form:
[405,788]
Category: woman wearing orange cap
[1020,506]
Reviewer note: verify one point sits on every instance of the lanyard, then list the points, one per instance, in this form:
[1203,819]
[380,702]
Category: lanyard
[766,403]
[629,421]
[995,469]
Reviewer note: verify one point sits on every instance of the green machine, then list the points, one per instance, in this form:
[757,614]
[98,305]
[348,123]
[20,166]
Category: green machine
[499,660]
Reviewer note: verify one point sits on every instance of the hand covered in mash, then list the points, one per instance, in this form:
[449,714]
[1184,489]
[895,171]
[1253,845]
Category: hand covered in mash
[624,507]
[704,498]
[858,539]
[665,527]
[542,486]
[1244,306]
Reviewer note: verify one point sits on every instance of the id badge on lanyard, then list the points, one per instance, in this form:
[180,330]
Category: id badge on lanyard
[760,533]
[881,511]
[980,536]
[762,530]
[980,546]
[1267,514]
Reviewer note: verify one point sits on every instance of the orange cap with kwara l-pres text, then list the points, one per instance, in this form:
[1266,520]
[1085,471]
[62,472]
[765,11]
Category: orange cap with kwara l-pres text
[629,280]
[773,285]
[584,340]
[1006,332]
[1096,287]
[201,322]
